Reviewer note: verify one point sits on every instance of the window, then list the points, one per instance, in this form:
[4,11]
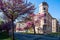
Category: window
[44,8]
[44,27]
[19,24]
[44,20]
[45,14]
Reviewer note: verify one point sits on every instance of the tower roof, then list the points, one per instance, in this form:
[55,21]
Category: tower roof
[44,3]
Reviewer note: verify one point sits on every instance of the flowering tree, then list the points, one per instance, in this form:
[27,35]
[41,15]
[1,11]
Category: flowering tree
[20,29]
[14,9]
[1,22]
[33,22]
[30,22]
[28,25]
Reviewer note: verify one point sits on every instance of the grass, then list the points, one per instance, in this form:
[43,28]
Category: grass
[4,36]
[6,39]
[53,34]
[30,33]
[57,33]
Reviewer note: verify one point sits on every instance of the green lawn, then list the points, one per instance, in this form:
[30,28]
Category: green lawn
[57,33]
[4,36]
[54,34]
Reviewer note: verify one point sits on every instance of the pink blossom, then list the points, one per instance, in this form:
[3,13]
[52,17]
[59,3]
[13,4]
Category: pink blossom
[32,15]
[37,21]
[20,29]
[29,23]
[27,27]
[42,15]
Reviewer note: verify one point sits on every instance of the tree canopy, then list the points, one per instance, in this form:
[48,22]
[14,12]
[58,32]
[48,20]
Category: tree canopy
[16,8]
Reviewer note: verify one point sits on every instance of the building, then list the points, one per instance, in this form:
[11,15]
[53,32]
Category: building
[59,28]
[44,22]
[22,27]
[55,25]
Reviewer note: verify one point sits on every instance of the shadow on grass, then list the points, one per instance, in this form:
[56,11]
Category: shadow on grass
[4,36]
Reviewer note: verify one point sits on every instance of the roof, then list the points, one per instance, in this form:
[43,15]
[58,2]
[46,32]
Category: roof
[44,3]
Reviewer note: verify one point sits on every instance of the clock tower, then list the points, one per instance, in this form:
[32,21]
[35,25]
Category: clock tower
[43,7]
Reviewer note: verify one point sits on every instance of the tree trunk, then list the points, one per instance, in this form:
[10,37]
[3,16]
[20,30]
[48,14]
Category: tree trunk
[34,28]
[13,30]
[0,29]
[34,31]
[7,32]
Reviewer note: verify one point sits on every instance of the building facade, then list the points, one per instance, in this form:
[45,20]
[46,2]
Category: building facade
[22,27]
[55,25]
[44,22]
[45,19]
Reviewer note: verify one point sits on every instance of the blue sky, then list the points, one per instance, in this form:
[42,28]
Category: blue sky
[54,7]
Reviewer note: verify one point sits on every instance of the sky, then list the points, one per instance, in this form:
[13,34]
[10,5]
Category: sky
[54,7]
